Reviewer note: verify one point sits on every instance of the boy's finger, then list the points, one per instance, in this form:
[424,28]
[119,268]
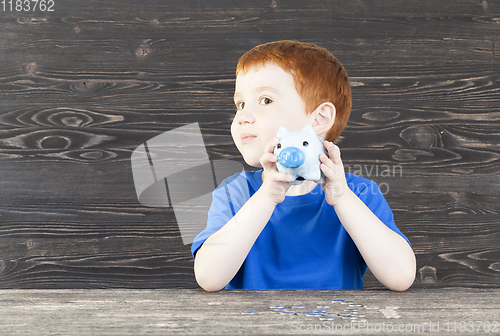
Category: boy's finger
[328,171]
[279,177]
[333,152]
[326,161]
[271,144]
[282,177]
[268,160]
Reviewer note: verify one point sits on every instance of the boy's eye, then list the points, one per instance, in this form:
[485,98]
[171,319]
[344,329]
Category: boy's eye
[240,105]
[305,144]
[265,101]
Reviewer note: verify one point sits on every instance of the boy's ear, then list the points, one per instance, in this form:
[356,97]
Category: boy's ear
[324,118]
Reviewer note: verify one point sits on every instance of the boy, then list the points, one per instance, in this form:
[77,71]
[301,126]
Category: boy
[265,233]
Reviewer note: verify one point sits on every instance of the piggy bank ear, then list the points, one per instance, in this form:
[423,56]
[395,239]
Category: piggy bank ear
[308,129]
[282,132]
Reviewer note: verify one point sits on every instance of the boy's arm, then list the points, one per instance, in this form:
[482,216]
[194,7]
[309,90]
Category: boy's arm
[222,254]
[387,254]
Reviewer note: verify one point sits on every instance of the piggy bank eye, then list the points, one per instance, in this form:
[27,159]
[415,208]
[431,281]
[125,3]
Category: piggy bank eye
[278,146]
[305,144]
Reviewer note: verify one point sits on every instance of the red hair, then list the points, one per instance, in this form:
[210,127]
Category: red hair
[318,75]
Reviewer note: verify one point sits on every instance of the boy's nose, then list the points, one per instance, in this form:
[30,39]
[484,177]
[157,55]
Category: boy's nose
[245,117]
[291,157]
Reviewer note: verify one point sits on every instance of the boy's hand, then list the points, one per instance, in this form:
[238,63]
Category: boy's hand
[335,186]
[275,184]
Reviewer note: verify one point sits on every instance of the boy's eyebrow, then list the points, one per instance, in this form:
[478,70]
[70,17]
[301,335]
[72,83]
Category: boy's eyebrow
[266,88]
[259,89]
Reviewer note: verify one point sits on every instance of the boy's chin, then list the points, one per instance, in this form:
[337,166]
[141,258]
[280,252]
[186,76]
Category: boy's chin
[254,165]
[252,162]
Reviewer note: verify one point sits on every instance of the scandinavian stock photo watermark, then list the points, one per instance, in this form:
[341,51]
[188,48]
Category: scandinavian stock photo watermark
[356,327]
[375,171]
[433,327]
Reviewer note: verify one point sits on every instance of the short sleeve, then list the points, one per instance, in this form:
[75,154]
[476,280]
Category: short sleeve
[227,199]
[369,192]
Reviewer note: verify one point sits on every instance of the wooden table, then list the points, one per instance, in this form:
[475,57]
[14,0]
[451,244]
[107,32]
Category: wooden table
[160,312]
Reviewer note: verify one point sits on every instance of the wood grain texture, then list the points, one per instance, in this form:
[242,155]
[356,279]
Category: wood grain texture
[83,86]
[185,312]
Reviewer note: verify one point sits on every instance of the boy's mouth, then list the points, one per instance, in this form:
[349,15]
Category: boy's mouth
[246,138]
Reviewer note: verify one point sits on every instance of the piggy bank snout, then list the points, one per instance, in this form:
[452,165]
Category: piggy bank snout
[291,157]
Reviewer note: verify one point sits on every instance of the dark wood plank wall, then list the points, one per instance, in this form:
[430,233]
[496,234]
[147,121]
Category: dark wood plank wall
[81,87]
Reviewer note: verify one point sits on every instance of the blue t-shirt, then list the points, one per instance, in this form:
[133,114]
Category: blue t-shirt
[303,245]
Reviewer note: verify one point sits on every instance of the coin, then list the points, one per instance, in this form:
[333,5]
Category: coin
[287,313]
[319,311]
[279,311]
[372,307]
[249,313]
[214,303]
[327,318]
[387,311]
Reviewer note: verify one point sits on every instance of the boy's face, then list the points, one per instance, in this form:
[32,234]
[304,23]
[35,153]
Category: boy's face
[266,99]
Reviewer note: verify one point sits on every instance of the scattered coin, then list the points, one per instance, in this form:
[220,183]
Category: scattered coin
[387,311]
[327,318]
[249,313]
[348,302]
[323,306]
[319,311]
[287,313]
[372,307]
[337,301]
[276,307]
[214,303]
[298,306]
[279,311]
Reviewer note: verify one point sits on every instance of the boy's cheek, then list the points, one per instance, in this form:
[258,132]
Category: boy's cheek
[233,131]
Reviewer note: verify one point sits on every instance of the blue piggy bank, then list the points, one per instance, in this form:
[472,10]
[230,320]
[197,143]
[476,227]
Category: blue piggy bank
[298,154]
